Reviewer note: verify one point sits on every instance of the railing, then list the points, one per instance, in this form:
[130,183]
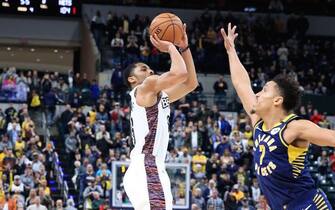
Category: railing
[58,170]
[59,174]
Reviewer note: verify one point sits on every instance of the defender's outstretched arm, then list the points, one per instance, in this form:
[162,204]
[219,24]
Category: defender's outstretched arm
[239,75]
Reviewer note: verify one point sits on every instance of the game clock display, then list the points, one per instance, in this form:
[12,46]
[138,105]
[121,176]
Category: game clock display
[41,7]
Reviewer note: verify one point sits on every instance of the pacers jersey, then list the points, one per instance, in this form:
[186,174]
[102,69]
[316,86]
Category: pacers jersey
[281,168]
[150,127]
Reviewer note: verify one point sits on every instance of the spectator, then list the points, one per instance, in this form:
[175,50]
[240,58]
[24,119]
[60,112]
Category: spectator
[224,125]
[50,101]
[116,115]
[323,163]
[59,205]
[144,52]
[70,205]
[85,83]
[283,53]
[17,185]
[35,102]
[97,27]
[230,201]
[37,205]
[198,200]
[31,198]
[245,205]
[215,202]
[220,90]
[13,130]
[316,117]
[71,143]
[103,140]
[95,90]
[262,204]
[201,159]
[222,146]
[117,45]
[36,164]
[92,192]
[255,191]
[238,192]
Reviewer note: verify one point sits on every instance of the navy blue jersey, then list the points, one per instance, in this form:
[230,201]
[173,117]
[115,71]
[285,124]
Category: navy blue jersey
[281,168]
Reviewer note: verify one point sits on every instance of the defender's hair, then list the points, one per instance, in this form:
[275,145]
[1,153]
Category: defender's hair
[289,90]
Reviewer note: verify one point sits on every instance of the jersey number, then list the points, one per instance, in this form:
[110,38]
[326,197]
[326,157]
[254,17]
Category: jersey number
[262,150]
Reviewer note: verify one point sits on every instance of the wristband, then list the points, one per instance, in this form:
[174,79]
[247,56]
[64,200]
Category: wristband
[184,50]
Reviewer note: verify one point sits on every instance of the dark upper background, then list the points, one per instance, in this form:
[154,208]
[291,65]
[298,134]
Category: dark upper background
[310,7]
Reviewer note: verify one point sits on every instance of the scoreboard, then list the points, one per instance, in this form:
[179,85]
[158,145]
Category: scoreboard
[41,7]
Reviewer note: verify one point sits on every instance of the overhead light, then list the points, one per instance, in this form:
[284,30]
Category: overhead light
[67,51]
[32,50]
[55,51]
[5,4]
[9,49]
[61,57]
[12,54]
[38,60]
[43,6]
[22,9]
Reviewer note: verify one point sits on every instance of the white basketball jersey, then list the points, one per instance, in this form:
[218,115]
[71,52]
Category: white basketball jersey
[150,127]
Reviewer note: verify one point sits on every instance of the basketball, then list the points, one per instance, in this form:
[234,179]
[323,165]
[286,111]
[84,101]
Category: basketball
[168,27]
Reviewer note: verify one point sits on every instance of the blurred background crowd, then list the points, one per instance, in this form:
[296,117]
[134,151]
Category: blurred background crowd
[61,132]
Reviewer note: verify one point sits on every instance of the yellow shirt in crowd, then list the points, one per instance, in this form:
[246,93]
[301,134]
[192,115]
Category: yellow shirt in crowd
[199,159]
[19,147]
[92,116]
[239,195]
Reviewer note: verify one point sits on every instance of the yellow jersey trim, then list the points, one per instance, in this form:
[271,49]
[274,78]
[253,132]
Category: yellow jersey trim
[296,157]
[320,202]
[295,152]
[281,130]
[264,128]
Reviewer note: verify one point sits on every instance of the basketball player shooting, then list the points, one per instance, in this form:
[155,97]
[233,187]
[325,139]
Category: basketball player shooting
[281,138]
[146,181]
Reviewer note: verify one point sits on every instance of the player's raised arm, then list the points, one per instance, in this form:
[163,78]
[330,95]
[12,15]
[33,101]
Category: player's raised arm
[307,130]
[151,86]
[180,90]
[239,75]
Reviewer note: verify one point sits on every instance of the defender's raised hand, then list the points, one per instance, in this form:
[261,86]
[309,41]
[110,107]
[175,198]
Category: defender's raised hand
[230,38]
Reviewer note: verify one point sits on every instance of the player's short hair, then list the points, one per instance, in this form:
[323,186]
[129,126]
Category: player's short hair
[290,90]
[127,72]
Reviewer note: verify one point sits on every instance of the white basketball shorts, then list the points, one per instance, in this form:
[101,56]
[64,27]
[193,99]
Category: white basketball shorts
[147,184]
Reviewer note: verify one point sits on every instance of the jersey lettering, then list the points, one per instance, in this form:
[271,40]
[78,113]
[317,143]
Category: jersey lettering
[165,102]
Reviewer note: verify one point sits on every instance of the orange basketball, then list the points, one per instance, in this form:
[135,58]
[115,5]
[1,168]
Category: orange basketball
[168,27]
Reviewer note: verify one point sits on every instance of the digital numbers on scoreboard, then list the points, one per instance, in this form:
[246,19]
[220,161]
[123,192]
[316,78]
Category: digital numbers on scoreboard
[41,7]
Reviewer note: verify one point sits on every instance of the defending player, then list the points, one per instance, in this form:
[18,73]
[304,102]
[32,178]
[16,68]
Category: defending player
[281,138]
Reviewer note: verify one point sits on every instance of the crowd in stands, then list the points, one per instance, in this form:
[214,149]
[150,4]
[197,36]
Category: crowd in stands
[267,45]
[217,145]
[25,163]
